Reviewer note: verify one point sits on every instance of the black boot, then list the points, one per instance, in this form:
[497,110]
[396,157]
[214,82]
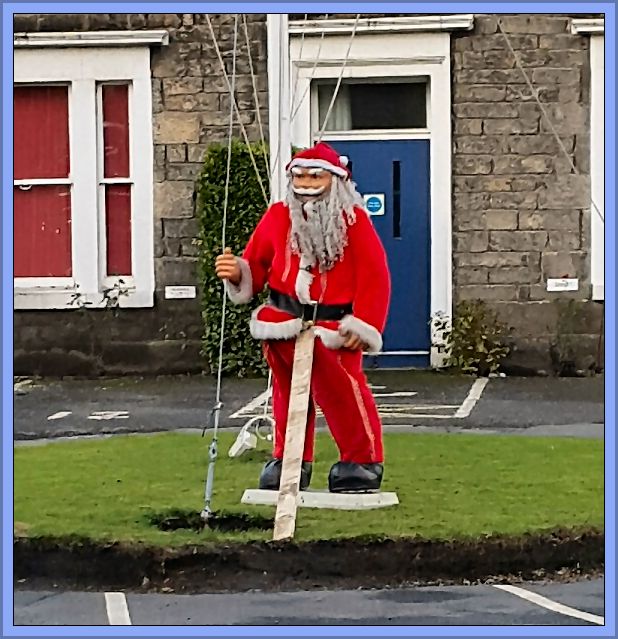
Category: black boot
[271,475]
[348,477]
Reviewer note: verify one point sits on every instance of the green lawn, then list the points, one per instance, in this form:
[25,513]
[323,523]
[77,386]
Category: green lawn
[449,486]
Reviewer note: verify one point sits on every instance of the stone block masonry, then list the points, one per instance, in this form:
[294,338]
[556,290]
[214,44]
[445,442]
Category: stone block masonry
[191,107]
[520,214]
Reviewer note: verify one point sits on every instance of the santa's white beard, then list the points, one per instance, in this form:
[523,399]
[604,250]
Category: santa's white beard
[321,238]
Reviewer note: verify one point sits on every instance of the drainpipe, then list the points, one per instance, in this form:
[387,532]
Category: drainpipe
[279,107]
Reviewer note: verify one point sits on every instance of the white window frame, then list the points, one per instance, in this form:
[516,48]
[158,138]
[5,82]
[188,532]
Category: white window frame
[405,49]
[597,165]
[595,28]
[84,63]
[416,133]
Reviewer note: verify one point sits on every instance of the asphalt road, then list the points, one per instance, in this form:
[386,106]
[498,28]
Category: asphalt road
[481,605]
[409,400]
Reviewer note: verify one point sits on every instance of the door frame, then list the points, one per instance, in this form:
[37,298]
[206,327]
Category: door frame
[377,54]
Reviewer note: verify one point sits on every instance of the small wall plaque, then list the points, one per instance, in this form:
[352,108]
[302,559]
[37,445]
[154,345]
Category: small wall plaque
[180,292]
[563,284]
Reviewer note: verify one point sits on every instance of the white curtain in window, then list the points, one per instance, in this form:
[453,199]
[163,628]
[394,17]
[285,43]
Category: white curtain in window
[340,118]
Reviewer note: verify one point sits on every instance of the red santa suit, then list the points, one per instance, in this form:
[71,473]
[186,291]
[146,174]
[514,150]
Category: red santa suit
[338,385]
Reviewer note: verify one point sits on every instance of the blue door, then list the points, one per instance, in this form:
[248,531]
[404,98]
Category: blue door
[395,176]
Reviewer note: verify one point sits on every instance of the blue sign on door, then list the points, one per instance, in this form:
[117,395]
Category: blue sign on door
[375,204]
[393,175]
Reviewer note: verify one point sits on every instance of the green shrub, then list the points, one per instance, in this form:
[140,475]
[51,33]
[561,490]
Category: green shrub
[242,355]
[474,342]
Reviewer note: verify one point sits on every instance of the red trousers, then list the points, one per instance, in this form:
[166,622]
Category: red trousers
[339,387]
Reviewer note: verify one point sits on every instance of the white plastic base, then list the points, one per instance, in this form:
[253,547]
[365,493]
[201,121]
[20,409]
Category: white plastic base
[323,499]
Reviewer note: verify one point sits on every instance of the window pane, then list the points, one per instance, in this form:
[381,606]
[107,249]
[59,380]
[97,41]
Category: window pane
[42,231]
[41,132]
[385,105]
[118,228]
[116,130]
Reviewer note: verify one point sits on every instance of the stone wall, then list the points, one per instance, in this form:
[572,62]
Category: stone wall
[520,213]
[191,106]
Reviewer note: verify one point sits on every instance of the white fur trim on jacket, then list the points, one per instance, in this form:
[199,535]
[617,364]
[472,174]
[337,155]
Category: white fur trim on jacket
[243,293]
[367,333]
[330,338]
[274,330]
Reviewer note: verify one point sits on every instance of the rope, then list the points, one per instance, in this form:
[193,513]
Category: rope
[535,95]
[300,55]
[234,104]
[213,449]
[263,139]
[336,91]
[313,68]
[257,101]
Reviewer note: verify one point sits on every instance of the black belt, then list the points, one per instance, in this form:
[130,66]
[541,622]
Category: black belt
[324,312]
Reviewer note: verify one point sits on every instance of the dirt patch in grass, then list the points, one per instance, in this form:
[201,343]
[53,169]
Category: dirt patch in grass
[75,563]
[176,519]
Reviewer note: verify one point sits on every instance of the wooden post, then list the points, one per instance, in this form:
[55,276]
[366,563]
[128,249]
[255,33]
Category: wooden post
[287,503]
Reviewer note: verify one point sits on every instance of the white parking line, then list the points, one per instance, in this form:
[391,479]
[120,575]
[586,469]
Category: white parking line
[252,405]
[117,609]
[109,414]
[402,408]
[397,394]
[60,415]
[473,396]
[398,411]
[413,416]
[554,606]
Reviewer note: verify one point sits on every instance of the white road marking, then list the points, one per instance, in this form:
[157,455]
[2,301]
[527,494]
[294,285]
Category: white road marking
[397,394]
[109,414]
[21,385]
[399,411]
[473,396]
[117,609]
[402,408]
[252,405]
[554,606]
[60,414]
[414,416]
[388,413]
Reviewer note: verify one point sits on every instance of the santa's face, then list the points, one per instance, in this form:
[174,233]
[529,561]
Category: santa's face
[311,184]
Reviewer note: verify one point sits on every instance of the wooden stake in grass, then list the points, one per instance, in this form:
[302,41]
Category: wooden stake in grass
[287,503]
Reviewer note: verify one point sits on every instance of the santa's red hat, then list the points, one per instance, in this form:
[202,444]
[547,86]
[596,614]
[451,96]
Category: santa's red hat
[321,156]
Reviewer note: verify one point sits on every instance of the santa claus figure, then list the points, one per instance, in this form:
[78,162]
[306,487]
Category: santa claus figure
[322,260]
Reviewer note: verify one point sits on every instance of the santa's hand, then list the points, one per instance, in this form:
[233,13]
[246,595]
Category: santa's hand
[353,341]
[227,267]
